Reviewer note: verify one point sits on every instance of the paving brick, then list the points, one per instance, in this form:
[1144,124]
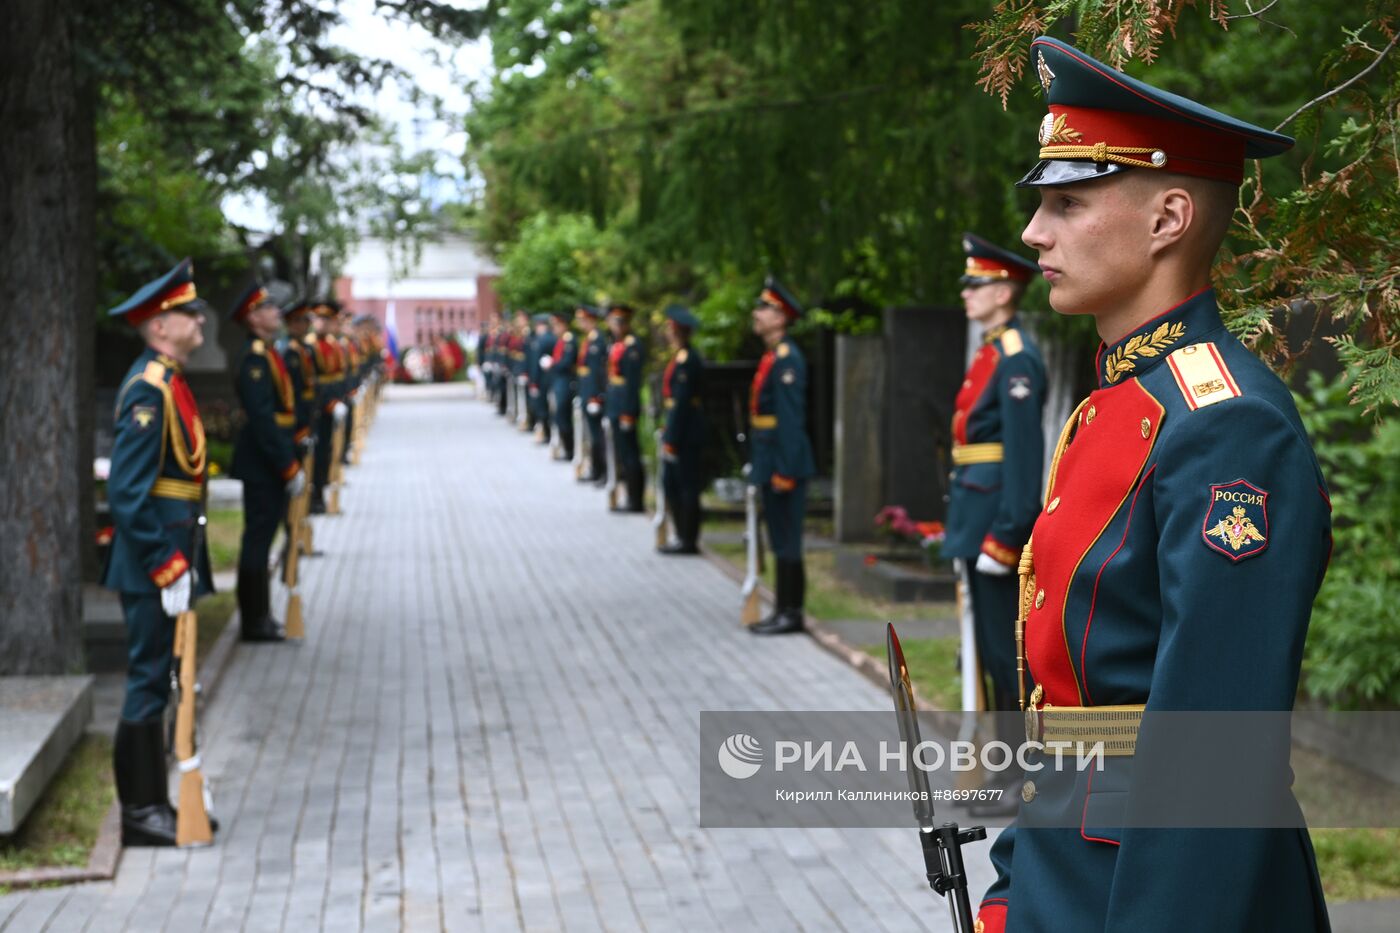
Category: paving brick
[491,726]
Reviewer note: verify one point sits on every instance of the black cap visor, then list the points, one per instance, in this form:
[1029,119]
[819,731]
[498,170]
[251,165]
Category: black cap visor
[1067,172]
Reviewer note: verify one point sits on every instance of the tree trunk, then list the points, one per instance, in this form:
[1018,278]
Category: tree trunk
[43,281]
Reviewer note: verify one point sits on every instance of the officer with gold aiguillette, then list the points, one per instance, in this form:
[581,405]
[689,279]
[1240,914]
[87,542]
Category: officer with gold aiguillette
[624,404]
[1185,532]
[683,431]
[780,452]
[998,455]
[264,457]
[592,390]
[158,562]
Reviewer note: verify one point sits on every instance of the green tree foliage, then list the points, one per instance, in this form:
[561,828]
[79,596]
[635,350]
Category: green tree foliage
[1316,229]
[836,145]
[197,99]
[1353,652]
[554,263]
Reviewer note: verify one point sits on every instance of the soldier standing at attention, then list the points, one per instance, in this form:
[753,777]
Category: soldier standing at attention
[624,403]
[592,388]
[998,456]
[301,366]
[780,453]
[520,369]
[156,493]
[264,458]
[330,374]
[541,349]
[559,374]
[352,360]
[1186,529]
[683,436]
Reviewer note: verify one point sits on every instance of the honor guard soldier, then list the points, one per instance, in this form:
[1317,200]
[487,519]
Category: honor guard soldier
[350,383]
[1185,532]
[998,456]
[541,347]
[683,434]
[301,366]
[593,388]
[519,367]
[158,562]
[558,368]
[624,403]
[780,453]
[330,378]
[264,458]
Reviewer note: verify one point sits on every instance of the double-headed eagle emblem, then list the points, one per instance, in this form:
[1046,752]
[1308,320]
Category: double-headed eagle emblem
[1237,530]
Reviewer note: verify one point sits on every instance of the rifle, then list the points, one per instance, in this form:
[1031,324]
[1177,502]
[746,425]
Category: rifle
[972,691]
[291,560]
[611,451]
[583,441]
[304,534]
[192,823]
[751,612]
[658,521]
[337,449]
[522,402]
[942,845]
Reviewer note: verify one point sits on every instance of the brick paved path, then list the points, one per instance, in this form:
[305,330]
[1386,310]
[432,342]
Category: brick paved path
[492,726]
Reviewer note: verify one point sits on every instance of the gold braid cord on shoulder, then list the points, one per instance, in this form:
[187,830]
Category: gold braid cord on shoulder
[190,462]
[1026,569]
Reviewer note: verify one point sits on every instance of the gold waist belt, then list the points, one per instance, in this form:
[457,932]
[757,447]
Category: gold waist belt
[964,454]
[168,488]
[762,422]
[583,370]
[671,403]
[617,381]
[285,419]
[1084,726]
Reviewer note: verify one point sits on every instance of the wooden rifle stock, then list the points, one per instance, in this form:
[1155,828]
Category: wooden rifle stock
[192,825]
[658,521]
[751,612]
[336,467]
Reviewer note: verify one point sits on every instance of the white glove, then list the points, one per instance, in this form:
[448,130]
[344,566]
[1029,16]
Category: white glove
[593,408]
[175,598]
[546,362]
[339,412]
[991,567]
[296,484]
[522,380]
[627,425]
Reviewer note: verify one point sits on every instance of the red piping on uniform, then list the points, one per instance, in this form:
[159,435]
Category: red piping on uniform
[1093,600]
[1084,815]
[1157,317]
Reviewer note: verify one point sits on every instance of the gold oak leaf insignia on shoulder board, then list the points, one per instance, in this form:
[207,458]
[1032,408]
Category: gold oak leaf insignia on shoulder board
[143,415]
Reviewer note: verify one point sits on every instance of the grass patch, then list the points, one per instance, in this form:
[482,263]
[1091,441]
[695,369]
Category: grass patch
[828,596]
[213,613]
[61,829]
[224,534]
[1358,864]
[933,668]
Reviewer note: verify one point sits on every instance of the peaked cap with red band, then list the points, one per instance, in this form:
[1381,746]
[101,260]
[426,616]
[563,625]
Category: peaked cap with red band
[173,291]
[775,296]
[253,298]
[1101,122]
[988,263]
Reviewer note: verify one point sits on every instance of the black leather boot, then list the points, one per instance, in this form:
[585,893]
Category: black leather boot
[782,584]
[138,762]
[788,618]
[255,621]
